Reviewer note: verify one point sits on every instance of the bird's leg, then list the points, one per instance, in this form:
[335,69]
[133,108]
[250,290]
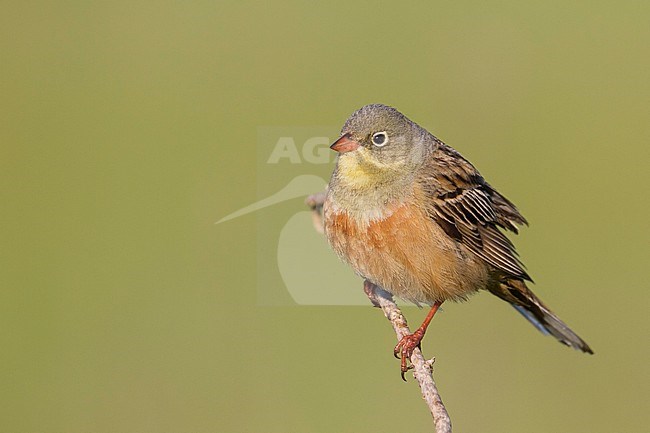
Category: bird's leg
[408,343]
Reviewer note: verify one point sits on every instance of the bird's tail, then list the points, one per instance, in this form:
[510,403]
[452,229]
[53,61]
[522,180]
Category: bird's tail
[532,308]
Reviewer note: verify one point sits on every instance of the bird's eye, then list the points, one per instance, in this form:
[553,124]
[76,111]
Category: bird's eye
[380,139]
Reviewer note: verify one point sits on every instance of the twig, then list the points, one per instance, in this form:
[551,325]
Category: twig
[315,203]
[422,368]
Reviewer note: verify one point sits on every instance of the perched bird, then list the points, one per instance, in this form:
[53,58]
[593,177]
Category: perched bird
[414,217]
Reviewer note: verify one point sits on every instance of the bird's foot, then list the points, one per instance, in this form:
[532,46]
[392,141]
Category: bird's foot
[404,350]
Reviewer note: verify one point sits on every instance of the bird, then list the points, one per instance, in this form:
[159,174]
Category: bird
[411,215]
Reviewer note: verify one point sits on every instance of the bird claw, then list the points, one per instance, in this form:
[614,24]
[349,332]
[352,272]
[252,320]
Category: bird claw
[404,349]
[403,372]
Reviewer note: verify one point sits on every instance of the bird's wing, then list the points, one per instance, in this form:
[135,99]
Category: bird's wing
[470,210]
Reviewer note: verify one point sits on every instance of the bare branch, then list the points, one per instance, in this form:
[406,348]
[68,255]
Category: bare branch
[422,368]
[315,203]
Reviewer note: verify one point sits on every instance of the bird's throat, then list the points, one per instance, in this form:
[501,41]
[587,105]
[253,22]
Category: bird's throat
[367,192]
[358,172]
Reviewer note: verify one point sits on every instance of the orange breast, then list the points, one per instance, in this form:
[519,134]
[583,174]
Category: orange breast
[407,254]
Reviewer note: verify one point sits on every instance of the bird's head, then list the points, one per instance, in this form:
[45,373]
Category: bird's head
[378,144]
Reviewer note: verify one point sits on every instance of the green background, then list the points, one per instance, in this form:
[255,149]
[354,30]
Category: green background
[128,128]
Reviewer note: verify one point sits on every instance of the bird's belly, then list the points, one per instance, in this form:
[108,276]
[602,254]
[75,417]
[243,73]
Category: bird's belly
[407,254]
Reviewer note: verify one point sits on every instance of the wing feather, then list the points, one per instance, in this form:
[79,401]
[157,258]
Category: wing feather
[471,211]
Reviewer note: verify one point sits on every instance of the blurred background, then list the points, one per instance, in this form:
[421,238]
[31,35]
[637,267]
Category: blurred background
[129,128]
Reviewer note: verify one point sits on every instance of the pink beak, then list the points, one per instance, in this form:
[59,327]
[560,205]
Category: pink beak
[345,144]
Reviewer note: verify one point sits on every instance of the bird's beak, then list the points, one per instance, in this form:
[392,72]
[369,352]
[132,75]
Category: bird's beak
[345,144]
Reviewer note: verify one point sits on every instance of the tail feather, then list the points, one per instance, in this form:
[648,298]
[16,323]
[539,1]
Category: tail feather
[531,318]
[532,308]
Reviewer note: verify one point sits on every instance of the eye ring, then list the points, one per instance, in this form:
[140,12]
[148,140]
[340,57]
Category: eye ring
[380,139]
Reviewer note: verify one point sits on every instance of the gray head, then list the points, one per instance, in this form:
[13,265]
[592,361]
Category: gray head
[380,137]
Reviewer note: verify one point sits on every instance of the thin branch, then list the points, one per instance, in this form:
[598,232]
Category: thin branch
[315,203]
[422,368]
